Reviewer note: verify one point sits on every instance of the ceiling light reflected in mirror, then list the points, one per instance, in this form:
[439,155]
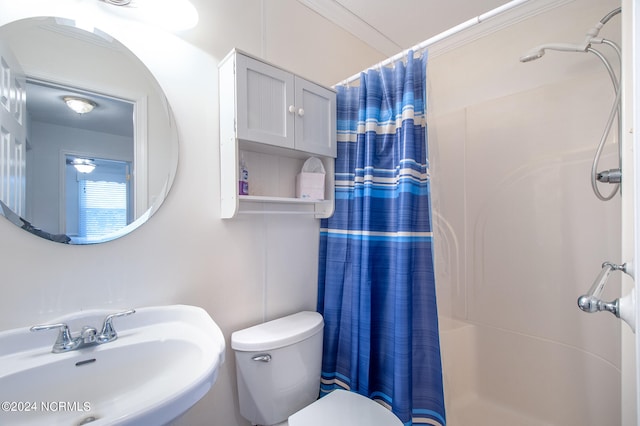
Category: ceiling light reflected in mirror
[79,105]
[83,165]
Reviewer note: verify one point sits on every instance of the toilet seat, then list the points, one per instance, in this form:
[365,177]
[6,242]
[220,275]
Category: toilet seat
[344,408]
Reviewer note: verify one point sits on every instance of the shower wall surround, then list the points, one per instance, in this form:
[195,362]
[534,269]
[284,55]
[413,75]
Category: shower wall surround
[520,235]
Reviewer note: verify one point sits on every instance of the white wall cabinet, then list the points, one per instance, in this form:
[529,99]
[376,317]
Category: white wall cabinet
[273,120]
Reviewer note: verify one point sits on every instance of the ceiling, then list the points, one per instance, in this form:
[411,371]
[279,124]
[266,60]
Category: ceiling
[45,103]
[45,100]
[413,21]
[389,26]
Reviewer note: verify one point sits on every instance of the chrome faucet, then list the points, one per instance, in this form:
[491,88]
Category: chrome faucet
[88,336]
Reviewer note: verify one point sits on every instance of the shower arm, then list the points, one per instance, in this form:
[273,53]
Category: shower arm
[593,32]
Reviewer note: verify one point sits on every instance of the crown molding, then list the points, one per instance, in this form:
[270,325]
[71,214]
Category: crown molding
[348,21]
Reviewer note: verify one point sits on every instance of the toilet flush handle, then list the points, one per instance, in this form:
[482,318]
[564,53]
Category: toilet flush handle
[262,358]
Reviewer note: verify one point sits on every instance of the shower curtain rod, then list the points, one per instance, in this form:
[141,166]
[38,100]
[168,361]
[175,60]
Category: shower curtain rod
[443,35]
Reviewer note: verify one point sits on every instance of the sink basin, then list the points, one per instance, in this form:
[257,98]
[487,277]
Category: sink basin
[165,359]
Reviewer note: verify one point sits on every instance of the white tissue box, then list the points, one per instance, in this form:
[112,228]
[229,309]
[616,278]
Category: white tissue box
[310,186]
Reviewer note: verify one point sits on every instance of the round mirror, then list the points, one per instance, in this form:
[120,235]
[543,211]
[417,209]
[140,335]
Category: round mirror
[88,143]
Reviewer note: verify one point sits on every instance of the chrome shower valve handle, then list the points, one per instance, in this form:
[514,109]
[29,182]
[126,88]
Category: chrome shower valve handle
[621,308]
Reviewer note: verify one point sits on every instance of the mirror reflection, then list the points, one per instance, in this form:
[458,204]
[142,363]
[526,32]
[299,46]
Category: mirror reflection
[88,145]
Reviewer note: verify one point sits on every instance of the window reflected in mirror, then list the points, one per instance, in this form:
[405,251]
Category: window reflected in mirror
[98,200]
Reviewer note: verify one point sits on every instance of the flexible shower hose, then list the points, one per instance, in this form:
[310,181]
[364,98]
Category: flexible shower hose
[615,110]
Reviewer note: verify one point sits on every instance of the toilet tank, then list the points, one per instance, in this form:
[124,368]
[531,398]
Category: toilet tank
[278,366]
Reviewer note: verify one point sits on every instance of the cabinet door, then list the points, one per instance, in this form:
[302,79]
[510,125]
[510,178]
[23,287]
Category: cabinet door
[265,98]
[315,118]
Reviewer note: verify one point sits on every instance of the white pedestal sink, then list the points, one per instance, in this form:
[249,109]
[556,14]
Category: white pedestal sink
[164,360]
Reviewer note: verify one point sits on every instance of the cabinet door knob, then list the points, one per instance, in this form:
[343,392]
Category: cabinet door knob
[301,112]
[292,109]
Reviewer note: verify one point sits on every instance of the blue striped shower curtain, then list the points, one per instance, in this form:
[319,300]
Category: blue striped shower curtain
[376,287]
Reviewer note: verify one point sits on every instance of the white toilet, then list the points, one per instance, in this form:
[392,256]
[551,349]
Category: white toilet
[278,367]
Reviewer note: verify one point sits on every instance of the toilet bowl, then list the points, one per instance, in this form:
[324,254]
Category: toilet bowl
[344,408]
[278,372]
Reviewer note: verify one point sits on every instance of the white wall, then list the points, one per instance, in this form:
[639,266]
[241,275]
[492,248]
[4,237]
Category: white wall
[241,271]
[520,234]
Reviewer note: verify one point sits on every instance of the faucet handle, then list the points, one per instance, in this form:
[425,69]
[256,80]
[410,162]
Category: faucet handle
[64,342]
[108,333]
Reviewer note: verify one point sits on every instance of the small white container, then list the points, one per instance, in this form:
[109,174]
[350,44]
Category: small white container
[310,181]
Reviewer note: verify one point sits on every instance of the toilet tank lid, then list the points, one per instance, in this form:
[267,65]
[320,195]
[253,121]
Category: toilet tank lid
[277,333]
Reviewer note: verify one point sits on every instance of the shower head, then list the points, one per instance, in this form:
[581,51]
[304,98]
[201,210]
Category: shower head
[532,56]
[538,52]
